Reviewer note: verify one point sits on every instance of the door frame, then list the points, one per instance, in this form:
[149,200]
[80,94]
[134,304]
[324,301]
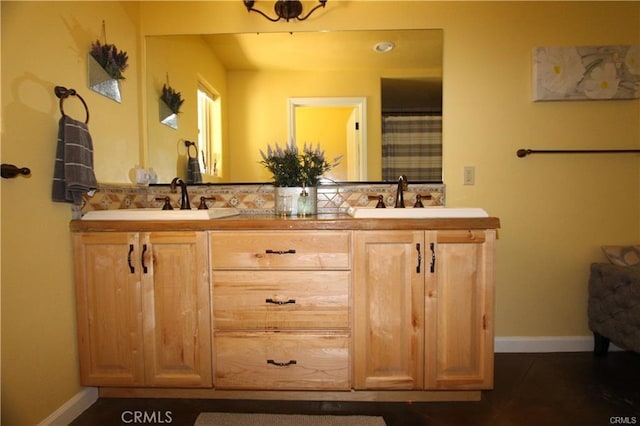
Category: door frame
[359,143]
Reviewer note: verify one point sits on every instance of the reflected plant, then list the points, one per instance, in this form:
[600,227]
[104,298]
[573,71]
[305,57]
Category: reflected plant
[172,98]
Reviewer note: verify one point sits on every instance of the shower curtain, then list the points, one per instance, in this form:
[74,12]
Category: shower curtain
[412,145]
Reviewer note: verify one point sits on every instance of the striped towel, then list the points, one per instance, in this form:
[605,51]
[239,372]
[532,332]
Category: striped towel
[73,174]
[194,175]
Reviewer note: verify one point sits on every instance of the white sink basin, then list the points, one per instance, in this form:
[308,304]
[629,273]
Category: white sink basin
[157,214]
[416,213]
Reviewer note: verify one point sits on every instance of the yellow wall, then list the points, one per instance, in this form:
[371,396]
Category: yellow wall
[555,210]
[44,45]
[326,126]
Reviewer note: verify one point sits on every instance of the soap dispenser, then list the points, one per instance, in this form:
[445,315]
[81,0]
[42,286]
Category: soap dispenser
[303,203]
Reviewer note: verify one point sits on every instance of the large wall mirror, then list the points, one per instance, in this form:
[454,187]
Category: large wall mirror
[248,81]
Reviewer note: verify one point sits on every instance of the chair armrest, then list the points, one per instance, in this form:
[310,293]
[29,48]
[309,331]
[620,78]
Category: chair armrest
[607,279]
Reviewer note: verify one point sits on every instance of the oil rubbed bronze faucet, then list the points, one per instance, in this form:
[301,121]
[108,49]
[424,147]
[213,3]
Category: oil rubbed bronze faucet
[402,186]
[184,198]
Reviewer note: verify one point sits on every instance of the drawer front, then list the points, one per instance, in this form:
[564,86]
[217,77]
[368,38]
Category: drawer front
[281,361]
[280,250]
[281,300]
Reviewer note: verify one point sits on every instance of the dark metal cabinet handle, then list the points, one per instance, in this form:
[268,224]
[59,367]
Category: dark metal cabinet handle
[433,257]
[280,302]
[419,257]
[144,250]
[131,268]
[290,251]
[282,364]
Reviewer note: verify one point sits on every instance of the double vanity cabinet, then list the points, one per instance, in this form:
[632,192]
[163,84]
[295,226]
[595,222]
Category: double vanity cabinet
[329,308]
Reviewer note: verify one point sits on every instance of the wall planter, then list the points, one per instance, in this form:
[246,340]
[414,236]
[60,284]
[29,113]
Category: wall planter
[105,65]
[168,117]
[170,103]
[100,81]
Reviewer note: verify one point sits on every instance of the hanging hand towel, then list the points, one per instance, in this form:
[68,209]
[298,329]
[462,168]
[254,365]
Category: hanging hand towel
[73,174]
[193,171]
[194,175]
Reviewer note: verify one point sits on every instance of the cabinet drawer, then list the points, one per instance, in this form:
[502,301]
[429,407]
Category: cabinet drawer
[281,299]
[280,250]
[281,360]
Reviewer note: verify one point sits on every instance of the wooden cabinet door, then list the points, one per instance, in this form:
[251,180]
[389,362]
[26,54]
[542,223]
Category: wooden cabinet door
[459,310]
[388,310]
[108,298]
[176,308]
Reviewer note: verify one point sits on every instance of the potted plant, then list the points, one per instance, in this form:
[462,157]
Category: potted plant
[296,174]
[106,67]
[112,60]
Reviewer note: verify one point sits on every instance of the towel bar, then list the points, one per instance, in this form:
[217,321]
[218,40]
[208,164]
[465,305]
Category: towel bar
[524,152]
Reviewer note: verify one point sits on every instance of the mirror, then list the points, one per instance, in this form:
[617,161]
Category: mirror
[253,78]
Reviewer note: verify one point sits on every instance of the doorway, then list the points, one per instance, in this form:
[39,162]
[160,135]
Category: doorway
[305,113]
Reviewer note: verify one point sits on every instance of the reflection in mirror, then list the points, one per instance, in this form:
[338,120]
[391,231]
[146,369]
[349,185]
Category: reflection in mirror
[411,129]
[253,76]
[341,124]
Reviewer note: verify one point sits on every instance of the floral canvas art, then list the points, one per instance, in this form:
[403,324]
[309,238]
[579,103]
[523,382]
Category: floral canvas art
[586,72]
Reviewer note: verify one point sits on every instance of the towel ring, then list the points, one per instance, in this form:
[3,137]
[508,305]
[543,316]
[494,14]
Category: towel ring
[190,144]
[63,93]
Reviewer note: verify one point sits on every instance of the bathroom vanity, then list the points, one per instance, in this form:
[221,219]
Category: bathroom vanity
[321,308]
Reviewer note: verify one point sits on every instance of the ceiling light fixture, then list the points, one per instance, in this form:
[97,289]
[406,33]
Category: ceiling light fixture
[285,9]
[384,46]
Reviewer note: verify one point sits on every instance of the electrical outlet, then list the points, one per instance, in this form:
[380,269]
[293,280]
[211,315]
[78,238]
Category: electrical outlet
[469,175]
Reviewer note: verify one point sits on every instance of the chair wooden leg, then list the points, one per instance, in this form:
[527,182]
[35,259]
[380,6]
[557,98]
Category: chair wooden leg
[601,344]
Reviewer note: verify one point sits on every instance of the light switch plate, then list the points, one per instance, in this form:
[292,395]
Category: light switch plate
[469,175]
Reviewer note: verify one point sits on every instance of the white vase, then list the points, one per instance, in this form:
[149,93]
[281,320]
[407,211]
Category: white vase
[286,201]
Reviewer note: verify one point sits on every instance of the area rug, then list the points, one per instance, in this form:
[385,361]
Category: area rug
[250,419]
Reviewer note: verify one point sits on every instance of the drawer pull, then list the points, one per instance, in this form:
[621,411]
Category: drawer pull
[291,251]
[280,302]
[282,364]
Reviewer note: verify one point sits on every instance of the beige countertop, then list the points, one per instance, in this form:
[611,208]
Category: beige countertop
[272,222]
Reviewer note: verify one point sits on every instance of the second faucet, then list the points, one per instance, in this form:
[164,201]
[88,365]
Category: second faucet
[184,197]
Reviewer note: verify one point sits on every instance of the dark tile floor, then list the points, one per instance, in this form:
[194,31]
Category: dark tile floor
[530,389]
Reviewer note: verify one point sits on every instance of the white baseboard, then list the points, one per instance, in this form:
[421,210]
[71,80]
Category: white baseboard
[72,408]
[537,344]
